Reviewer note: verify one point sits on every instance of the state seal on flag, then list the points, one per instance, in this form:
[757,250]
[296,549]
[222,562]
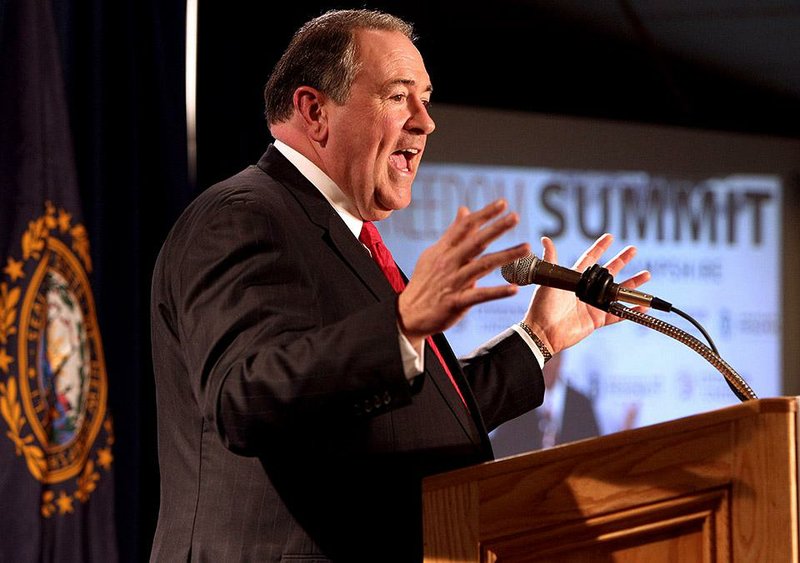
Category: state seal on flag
[54,396]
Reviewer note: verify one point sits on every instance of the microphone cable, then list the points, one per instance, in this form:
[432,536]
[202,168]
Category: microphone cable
[596,286]
[698,326]
[593,289]
[735,381]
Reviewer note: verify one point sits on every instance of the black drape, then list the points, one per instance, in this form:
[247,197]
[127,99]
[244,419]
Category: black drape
[56,433]
[123,66]
[124,73]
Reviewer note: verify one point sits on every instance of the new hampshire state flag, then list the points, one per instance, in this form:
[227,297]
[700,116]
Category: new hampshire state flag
[56,436]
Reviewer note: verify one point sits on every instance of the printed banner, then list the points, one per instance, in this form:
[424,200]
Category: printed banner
[712,246]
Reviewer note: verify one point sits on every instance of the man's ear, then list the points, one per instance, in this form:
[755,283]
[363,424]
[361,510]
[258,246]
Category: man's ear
[309,103]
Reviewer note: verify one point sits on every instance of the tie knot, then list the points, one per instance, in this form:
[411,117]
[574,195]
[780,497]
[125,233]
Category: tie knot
[371,238]
[369,235]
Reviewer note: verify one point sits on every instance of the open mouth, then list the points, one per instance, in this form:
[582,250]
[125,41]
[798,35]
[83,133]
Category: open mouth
[403,159]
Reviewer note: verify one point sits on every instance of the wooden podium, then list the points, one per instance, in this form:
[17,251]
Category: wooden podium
[719,486]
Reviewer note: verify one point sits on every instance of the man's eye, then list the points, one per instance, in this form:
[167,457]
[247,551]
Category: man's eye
[398,97]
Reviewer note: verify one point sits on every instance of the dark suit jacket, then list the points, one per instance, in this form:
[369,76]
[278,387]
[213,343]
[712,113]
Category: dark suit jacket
[287,429]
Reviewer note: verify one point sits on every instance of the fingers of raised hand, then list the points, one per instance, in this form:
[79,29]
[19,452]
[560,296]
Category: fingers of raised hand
[623,257]
[472,233]
[476,295]
[467,222]
[483,265]
[549,253]
[594,252]
[480,241]
[636,280]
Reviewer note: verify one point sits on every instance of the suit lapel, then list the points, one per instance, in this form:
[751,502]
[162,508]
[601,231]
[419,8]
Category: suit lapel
[342,241]
[353,252]
[332,229]
[466,416]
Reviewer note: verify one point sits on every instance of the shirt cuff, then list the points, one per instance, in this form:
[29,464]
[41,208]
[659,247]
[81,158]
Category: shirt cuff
[413,363]
[531,344]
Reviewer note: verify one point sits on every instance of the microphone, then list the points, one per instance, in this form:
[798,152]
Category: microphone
[595,286]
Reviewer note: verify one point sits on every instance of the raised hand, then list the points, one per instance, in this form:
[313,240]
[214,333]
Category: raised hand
[558,317]
[444,284]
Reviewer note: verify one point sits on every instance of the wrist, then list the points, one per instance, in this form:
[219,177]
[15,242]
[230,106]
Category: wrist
[539,339]
[415,339]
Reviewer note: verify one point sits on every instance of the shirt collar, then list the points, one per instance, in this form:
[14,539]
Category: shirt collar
[327,187]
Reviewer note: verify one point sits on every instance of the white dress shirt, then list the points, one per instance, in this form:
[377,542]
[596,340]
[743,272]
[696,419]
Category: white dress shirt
[413,361]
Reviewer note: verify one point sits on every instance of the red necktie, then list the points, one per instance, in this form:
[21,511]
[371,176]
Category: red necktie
[371,238]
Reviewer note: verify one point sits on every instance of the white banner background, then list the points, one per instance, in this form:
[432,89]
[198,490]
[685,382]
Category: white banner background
[711,244]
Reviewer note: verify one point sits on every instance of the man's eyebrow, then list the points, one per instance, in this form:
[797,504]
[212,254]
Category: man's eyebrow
[408,82]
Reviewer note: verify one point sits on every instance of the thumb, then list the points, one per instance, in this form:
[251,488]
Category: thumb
[549,253]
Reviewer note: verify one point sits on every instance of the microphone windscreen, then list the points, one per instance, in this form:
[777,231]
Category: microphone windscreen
[519,271]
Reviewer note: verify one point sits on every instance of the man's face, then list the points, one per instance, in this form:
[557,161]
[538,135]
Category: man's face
[377,137]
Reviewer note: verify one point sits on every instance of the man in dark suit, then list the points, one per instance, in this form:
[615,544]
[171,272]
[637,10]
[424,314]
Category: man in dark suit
[301,400]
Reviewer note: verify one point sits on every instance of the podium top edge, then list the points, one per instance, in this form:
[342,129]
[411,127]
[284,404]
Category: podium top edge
[724,415]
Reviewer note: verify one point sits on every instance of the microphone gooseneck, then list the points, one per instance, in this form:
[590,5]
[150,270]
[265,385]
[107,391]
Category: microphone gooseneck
[596,287]
[736,382]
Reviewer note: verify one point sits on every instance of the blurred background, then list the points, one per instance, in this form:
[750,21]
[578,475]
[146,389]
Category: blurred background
[687,91]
